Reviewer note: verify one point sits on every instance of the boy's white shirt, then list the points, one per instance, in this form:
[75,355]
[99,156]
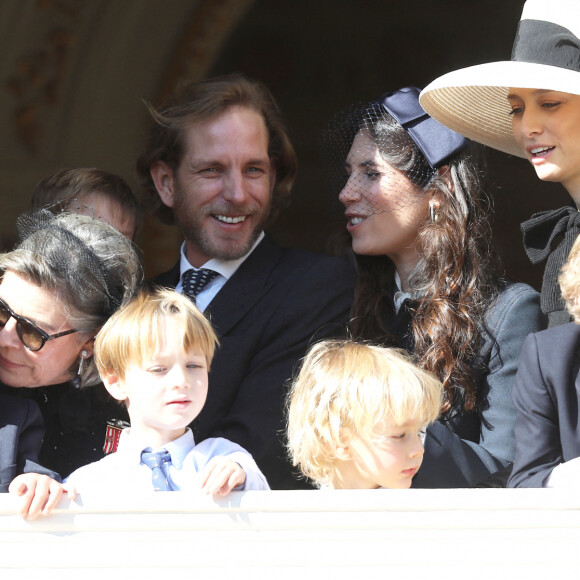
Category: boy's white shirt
[122,473]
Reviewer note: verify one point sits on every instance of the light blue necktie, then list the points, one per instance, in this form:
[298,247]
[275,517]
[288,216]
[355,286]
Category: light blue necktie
[156,463]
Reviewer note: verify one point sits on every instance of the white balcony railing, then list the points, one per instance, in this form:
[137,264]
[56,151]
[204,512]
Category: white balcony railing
[462,533]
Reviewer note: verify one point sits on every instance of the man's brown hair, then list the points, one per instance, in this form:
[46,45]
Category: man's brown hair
[197,102]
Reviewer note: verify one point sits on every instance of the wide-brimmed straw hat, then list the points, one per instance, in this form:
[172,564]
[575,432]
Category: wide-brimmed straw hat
[546,55]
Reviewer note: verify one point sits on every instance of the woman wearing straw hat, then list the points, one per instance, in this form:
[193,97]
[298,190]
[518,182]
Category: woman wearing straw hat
[529,107]
[416,215]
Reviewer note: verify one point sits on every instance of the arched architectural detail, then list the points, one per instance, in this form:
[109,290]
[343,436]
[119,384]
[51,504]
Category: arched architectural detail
[39,73]
[208,30]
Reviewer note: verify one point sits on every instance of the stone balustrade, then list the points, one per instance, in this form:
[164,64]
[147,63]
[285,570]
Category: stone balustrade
[471,533]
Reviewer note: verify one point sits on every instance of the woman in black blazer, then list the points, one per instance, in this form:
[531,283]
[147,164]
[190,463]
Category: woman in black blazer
[547,397]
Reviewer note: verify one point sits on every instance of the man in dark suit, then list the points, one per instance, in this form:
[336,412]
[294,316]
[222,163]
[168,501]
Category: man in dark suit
[219,164]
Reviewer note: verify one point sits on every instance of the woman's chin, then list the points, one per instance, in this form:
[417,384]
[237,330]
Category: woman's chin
[545,173]
[363,246]
[11,380]
[23,380]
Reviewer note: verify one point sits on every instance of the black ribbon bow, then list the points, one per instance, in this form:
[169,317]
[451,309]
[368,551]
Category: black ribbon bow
[539,233]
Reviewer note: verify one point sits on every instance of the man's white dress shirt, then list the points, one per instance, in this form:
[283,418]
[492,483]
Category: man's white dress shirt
[225,269]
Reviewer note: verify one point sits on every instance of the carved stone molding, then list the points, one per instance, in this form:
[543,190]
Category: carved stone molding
[40,72]
[210,26]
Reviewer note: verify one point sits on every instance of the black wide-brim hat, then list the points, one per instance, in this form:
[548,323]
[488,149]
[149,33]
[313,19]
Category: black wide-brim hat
[546,55]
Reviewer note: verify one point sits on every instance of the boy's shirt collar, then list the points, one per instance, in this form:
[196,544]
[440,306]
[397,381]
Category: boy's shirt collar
[131,447]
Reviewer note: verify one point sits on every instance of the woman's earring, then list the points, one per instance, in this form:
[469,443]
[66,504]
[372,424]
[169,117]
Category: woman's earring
[433,212]
[77,380]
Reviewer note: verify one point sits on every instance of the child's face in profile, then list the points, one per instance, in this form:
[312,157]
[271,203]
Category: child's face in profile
[167,390]
[390,458]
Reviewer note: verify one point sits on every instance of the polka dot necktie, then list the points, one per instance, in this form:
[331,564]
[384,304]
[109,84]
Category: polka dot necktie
[194,281]
[156,463]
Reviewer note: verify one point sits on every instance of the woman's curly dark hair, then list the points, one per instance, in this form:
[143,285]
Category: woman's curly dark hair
[456,278]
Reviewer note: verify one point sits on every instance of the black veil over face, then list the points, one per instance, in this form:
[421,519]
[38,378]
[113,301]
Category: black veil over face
[364,144]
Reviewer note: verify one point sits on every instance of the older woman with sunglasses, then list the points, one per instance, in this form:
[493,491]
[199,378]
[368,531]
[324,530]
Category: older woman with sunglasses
[68,274]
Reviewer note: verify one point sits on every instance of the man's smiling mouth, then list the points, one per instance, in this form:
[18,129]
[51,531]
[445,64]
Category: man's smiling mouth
[230,219]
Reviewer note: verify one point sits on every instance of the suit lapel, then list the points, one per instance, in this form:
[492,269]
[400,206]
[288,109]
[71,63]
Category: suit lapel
[168,279]
[245,288]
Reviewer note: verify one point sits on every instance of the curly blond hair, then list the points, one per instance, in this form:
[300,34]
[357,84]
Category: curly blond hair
[346,388]
[569,280]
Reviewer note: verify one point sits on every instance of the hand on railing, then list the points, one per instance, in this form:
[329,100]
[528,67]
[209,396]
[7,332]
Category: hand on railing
[39,494]
[221,475]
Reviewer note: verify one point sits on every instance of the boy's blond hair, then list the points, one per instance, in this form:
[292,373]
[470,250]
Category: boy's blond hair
[134,332]
[346,388]
[569,280]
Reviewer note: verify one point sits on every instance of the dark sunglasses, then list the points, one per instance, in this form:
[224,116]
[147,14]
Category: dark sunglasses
[32,337]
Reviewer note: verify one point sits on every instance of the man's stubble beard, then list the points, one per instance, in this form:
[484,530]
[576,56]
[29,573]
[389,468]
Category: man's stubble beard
[195,234]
